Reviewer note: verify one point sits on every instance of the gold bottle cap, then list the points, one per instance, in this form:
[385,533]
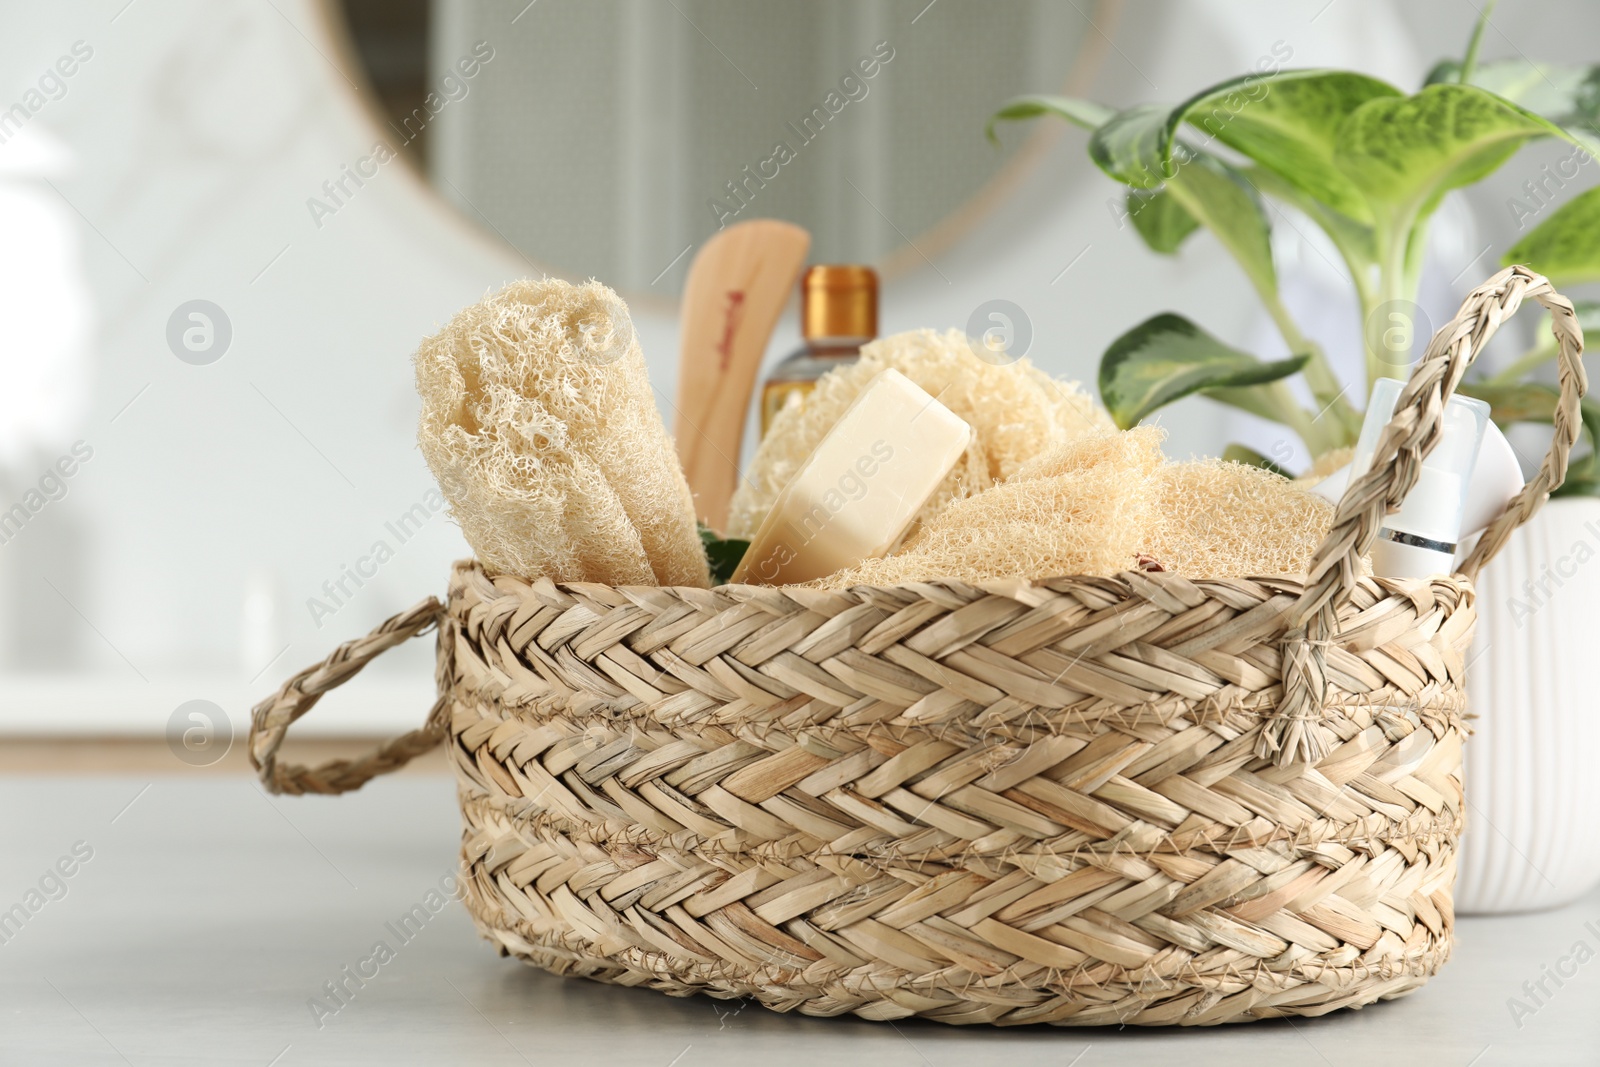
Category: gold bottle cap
[839,301]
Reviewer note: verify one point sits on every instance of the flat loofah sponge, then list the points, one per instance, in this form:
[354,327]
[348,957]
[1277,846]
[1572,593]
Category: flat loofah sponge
[1082,508]
[539,423]
[1230,520]
[1015,410]
[1110,503]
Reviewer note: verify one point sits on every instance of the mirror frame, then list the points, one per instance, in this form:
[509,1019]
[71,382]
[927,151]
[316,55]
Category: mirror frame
[928,243]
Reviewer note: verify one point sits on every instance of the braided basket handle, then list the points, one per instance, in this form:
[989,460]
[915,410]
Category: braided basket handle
[1295,732]
[270,719]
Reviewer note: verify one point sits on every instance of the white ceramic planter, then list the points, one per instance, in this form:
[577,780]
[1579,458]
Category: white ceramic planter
[1533,790]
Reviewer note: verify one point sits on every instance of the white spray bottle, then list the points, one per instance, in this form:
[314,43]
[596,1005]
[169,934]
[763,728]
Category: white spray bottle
[1464,484]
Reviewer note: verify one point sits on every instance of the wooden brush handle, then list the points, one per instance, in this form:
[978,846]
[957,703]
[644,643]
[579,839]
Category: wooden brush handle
[737,287]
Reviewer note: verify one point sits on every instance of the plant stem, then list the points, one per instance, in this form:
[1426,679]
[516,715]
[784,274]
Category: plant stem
[1318,373]
[1319,376]
[1469,63]
[1393,288]
[1290,413]
[1321,433]
[1343,422]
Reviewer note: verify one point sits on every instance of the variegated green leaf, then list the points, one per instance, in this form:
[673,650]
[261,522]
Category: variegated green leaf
[1084,113]
[1566,246]
[1159,219]
[1406,152]
[1168,357]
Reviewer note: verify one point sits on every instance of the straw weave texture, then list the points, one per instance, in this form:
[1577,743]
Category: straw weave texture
[1039,803]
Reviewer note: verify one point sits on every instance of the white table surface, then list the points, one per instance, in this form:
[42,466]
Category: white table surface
[209,914]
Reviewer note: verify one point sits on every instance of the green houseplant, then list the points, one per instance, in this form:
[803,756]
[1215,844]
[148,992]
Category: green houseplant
[1368,165]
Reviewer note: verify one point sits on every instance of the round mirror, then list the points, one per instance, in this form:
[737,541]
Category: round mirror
[608,138]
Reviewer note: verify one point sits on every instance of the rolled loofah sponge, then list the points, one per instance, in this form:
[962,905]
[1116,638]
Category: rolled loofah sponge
[1015,410]
[1109,503]
[539,423]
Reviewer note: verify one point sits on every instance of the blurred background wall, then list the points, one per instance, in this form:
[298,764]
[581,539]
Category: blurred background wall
[227,469]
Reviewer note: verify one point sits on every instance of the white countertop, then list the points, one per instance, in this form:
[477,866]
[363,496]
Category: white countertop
[382,702]
[209,914]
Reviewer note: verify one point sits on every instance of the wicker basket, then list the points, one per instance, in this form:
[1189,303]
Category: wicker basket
[1137,799]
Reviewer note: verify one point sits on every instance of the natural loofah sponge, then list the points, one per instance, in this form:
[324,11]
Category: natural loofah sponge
[1231,520]
[1082,508]
[1109,503]
[1016,412]
[539,423]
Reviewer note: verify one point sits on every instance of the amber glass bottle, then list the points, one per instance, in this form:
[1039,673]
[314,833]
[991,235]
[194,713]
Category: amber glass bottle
[838,314]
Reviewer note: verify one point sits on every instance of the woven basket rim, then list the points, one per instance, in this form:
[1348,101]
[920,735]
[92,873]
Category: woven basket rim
[1009,586]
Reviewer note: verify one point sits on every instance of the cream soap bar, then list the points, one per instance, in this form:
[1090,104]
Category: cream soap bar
[861,488]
